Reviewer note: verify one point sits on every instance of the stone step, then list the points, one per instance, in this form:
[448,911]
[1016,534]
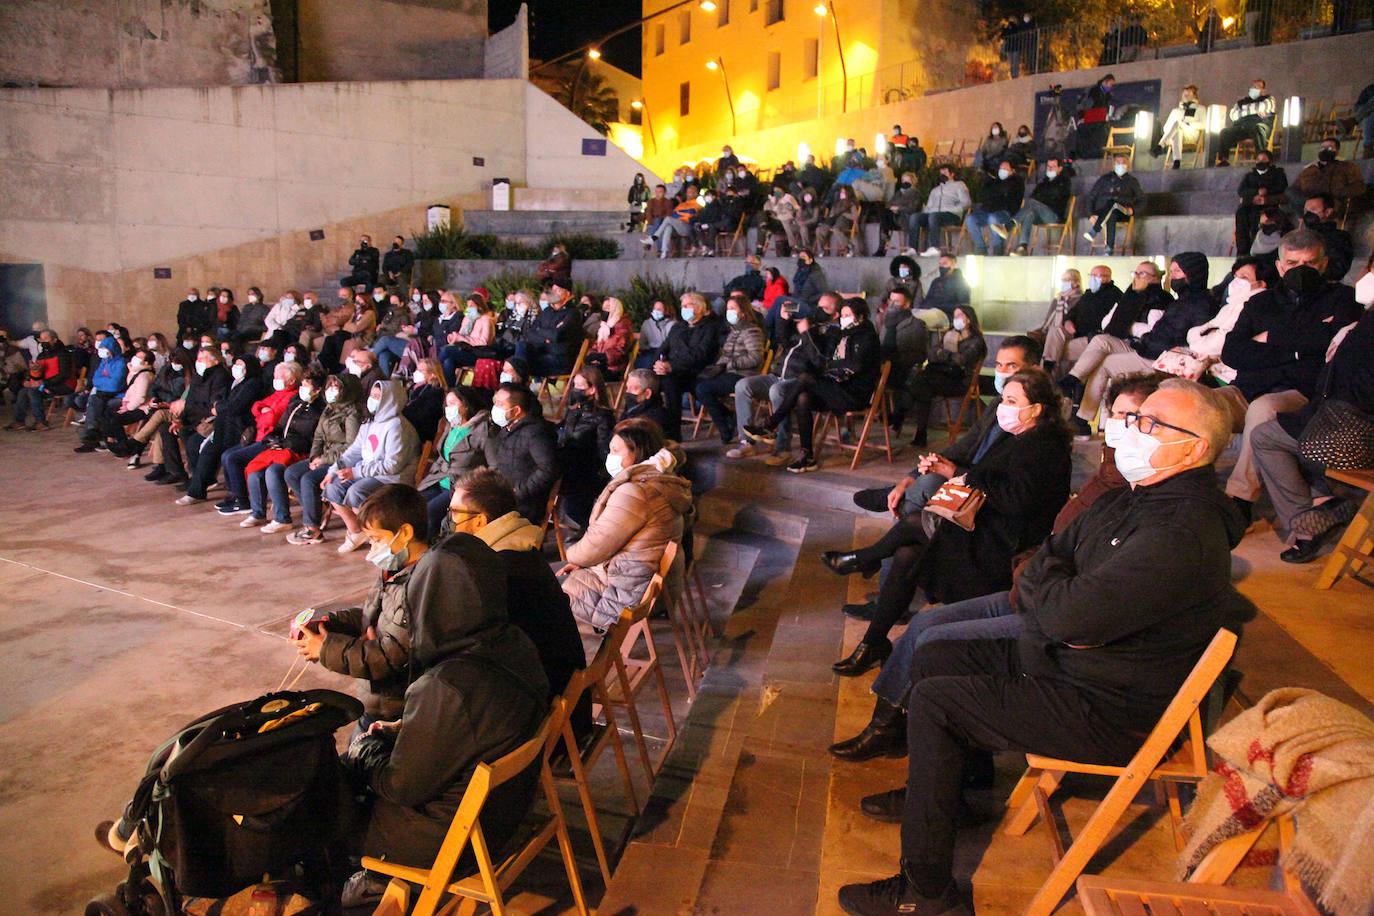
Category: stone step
[517,223]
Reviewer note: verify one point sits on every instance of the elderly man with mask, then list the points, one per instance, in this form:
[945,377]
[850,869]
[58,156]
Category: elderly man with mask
[1117,607]
[525,449]
[1277,346]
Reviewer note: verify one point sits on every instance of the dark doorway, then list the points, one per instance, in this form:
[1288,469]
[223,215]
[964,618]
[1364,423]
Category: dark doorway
[23,299]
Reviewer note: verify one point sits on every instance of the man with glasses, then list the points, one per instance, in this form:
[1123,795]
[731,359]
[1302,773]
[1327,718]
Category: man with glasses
[1117,607]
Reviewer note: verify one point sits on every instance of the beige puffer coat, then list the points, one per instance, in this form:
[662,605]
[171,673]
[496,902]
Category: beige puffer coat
[634,518]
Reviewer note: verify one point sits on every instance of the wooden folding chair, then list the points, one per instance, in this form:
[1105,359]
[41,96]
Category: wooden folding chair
[547,383]
[689,635]
[960,232]
[727,242]
[1123,243]
[632,674]
[551,521]
[700,417]
[582,757]
[1120,142]
[875,411]
[954,418]
[57,399]
[943,153]
[1065,232]
[1181,720]
[620,385]
[429,450]
[491,881]
[1355,550]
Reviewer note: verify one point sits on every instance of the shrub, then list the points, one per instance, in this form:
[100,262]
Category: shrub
[583,246]
[453,243]
[508,281]
[639,297]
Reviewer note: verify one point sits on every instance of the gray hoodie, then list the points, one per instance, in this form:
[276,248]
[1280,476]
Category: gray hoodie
[387,447]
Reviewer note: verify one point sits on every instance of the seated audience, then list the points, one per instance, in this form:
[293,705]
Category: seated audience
[472,341]
[229,416]
[52,373]
[1114,198]
[1260,187]
[462,448]
[808,280]
[169,387]
[741,355]
[287,445]
[991,150]
[133,407]
[107,386]
[337,429]
[550,345]
[691,345]
[999,197]
[653,333]
[425,402]
[1248,277]
[946,205]
[584,436]
[515,319]
[610,350]
[639,512]
[949,290]
[1319,215]
[556,269]
[852,366]
[394,330]
[678,222]
[1278,346]
[1252,118]
[267,415]
[1330,176]
[1055,332]
[484,506]
[524,448]
[1185,124]
[904,338]
[950,370]
[384,451]
[1048,202]
[642,398]
[843,216]
[1117,609]
[1025,478]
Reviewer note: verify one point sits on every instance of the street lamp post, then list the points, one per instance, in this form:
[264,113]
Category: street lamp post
[839,46]
[718,64]
[638,105]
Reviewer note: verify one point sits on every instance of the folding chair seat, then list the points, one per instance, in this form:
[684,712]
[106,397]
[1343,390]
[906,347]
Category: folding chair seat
[551,521]
[876,411]
[1355,550]
[632,674]
[1065,232]
[491,880]
[1180,722]
[546,384]
[971,400]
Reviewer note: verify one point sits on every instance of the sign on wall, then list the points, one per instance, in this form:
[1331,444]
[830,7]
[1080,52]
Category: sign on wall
[595,147]
[1085,140]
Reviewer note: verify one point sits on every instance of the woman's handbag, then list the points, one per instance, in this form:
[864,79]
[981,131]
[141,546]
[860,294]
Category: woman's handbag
[1339,437]
[1184,363]
[957,502]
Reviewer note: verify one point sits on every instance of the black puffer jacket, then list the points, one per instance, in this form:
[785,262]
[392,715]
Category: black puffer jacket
[1298,332]
[234,411]
[526,454]
[691,347]
[1192,308]
[296,428]
[477,692]
[1123,601]
[1135,304]
[855,356]
[204,393]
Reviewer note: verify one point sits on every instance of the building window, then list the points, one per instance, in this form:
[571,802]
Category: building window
[774,70]
[684,99]
[811,58]
[658,39]
[636,116]
[722,13]
[753,6]
[774,12]
[684,26]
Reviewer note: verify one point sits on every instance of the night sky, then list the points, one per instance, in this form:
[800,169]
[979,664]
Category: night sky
[558,26]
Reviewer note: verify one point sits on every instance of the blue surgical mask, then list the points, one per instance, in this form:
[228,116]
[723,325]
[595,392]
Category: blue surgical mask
[1066,286]
[999,379]
[499,417]
[732,317]
[471,311]
[543,304]
[959,324]
[373,404]
[382,557]
[1094,283]
[1119,169]
[657,314]
[687,313]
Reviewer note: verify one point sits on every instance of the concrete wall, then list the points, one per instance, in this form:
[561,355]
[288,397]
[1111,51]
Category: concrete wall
[506,54]
[223,185]
[391,39]
[136,42]
[1326,68]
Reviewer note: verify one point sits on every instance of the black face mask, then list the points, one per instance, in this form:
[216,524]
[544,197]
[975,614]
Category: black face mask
[943,179]
[1311,220]
[1327,155]
[1303,280]
[605,315]
[577,396]
[1269,228]
[1261,167]
[801,263]
[1179,286]
[395,247]
[944,271]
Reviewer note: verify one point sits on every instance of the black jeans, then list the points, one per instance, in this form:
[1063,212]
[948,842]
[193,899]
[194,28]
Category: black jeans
[709,393]
[674,386]
[926,387]
[972,696]
[810,395]
[905,542]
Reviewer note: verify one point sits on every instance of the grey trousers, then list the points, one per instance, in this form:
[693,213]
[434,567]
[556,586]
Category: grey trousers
[1244,482]
[754,388]
[1291,481]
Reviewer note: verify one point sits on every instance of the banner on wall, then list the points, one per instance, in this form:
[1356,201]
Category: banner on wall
[1067,124]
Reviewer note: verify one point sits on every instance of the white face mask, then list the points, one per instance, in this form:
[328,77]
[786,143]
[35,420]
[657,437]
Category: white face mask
[732,317]
[378,297]
[1119,169]
[1003,174]
[224,299]
[239,370]
[135,364]
[201,368]
[1094,283]
[996,131]
[1066,286]
[452,415]
[373,404]
[1364,290]
[1050,174]
[418,377]
[507,378]
[252,297]
[614,464]
[959,324]
[306,392]
[279,384]
[192,297]
[499,416]
[1133,453]
[1112,431]
[1237,291]
[1255,93]
[331,395]
[290,302]
[264,355]
[687,313]
[846,321]
[352,368]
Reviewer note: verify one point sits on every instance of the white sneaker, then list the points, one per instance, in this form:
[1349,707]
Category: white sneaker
[188,500]
[352,542]
[251,522]
[999,229]
[743,450]
[931,252]
[274,526]
[1090,235]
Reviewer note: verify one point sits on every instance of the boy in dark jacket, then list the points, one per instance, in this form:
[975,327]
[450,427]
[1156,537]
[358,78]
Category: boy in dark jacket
[525,450]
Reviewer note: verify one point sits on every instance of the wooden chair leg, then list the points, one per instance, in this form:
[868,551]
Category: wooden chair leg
[1023,798]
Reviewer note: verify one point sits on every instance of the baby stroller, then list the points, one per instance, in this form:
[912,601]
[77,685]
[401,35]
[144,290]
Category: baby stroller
[249,790]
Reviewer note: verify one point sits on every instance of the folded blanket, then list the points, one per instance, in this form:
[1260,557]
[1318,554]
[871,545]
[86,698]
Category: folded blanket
[1296,751]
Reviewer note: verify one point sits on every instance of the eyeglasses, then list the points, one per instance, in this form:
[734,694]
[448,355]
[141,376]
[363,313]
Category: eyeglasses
[1148,424]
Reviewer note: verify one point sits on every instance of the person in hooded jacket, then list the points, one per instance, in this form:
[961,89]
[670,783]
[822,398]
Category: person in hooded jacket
[108,383]
[1155,334]
[266,413]
[287,444]
[584,437]
[1278,346]
[639,512]
[853,364]
[1117,609]
[385,451]
[336,430]
[132,407]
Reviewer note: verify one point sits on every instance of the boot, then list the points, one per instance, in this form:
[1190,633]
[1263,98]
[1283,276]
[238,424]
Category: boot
[844,563]
[883,736]
[864,658]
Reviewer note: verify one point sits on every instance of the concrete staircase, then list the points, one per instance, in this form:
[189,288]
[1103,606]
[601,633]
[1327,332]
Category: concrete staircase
[527,224]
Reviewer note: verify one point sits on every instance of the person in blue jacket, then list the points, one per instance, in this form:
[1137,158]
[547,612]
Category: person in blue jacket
[107,387]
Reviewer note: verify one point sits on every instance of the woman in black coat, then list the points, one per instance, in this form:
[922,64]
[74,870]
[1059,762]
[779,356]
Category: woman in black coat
[584,438]
[1023,470]
[233,414]
[950,369]
[853,364]
[425,403]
